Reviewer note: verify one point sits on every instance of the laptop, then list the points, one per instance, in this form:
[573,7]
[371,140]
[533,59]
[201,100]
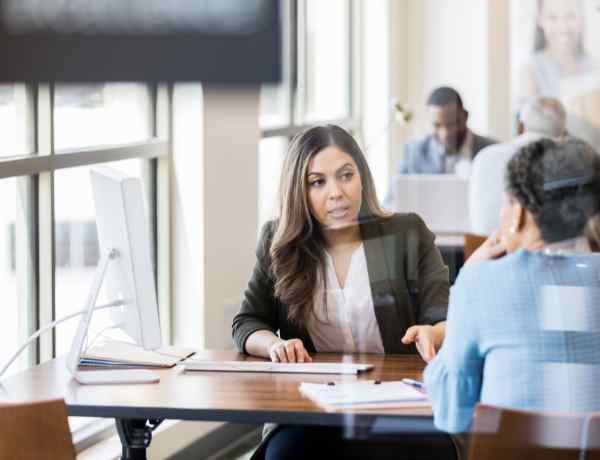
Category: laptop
[442,200]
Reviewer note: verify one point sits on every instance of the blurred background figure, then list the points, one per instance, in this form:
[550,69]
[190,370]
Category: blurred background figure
[450,146]
[539,117]
[561,66]
[558,48]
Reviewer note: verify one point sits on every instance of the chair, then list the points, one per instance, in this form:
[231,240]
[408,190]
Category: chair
[472,242]
[35,430]
[499,433]
[592,437]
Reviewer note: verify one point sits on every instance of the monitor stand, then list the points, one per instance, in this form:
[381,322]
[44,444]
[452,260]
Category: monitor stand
[97,377]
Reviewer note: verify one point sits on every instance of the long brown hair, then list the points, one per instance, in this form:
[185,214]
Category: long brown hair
[298,246]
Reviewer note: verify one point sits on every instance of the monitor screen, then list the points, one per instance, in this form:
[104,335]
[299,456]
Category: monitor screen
[221,41]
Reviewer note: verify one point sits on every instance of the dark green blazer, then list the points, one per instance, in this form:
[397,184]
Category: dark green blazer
[409,284]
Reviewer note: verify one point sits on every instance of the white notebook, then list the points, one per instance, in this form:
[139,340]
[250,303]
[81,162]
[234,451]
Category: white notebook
[366,394]
[121,354]
[194,364]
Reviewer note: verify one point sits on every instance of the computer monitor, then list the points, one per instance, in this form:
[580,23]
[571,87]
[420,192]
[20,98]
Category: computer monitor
[126,261]
[442,200]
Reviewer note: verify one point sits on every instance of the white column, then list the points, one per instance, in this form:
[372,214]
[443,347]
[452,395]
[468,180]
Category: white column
[215,208]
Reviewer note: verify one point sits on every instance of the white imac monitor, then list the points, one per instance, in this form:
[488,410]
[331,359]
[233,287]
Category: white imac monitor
[442,200]
[124,232]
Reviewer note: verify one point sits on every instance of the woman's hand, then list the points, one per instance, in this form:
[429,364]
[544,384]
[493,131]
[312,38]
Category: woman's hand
[426,338]
[288,351]
[492,248]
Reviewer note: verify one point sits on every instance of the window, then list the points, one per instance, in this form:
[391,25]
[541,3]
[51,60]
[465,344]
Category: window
[16,268]
[13,119]
[326,67]
[319,83]
[101,114]
[48,242]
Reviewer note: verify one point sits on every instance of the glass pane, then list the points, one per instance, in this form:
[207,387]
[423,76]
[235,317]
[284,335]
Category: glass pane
[76,246]
[554,53]
[327,73]
[101,114]
[275,107]
[16,268]
[13,119]
[270,161]
[376,108]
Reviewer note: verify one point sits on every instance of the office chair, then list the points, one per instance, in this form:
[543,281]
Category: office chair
[472,242]
[499,434]
[35,430]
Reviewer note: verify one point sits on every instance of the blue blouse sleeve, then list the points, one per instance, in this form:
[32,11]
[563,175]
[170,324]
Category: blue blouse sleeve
[453,379]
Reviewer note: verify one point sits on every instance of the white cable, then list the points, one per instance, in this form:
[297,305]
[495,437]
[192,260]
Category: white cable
[90,343]
[39,332]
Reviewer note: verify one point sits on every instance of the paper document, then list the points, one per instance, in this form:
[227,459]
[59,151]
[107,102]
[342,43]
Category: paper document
[364,395]
[267,366]
[123,354]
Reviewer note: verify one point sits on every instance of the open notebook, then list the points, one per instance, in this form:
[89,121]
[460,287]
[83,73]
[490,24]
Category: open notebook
[192,364]
[366,394]
[117,354]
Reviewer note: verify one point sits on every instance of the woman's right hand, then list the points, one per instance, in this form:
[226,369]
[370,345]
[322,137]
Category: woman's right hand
[288,351]
[492,248]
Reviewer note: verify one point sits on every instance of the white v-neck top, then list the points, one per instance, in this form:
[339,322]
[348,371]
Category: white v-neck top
[348,323]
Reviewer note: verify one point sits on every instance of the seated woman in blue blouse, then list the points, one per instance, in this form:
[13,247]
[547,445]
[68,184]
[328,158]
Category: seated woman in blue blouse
[523,331]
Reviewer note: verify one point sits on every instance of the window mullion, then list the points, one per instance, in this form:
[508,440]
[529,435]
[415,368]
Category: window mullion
[300,35]
[163,130]
[355,58]
[26,220]
[46,249]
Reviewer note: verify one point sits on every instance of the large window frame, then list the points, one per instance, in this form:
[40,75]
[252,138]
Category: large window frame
[35,175]
[294,27]
[294,50]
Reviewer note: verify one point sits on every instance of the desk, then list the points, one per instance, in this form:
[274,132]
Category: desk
[216,396]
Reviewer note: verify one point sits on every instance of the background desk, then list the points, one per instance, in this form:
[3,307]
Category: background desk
[215,396]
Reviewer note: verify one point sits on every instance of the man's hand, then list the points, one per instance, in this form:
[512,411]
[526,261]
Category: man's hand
[289,351]
[426,338]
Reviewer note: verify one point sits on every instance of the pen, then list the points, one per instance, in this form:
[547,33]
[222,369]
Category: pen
[414,383]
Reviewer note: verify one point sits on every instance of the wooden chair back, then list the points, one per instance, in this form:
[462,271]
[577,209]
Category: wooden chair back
[35,430]
[592,437]
[500,434]
[472,242]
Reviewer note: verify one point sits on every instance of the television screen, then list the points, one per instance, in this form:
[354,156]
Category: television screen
[220,41]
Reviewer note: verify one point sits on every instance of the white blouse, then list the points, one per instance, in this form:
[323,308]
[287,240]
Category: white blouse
[348,323]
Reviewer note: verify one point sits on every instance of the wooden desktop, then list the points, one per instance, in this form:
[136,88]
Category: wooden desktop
[216,396]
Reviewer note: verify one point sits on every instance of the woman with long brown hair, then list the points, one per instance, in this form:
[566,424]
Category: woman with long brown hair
[336,273]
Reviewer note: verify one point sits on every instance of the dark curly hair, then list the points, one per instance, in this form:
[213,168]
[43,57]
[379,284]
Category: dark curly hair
[558,183]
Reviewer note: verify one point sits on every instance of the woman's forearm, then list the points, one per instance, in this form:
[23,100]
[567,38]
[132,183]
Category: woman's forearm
[260,342]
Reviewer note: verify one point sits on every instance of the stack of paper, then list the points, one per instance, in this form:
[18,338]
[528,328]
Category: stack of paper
[267,366]
[364,395]
[125,355]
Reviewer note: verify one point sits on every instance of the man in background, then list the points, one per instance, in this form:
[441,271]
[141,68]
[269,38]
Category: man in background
[450,143]
[539,117]
[450,146]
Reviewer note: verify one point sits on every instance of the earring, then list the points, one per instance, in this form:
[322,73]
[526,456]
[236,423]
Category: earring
[513,228]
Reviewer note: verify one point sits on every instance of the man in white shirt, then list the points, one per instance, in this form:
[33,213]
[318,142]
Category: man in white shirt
[539,117]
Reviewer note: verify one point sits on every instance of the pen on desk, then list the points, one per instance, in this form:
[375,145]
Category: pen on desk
[414,383]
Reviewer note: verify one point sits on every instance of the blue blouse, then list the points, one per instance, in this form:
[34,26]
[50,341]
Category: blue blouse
[522,332]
